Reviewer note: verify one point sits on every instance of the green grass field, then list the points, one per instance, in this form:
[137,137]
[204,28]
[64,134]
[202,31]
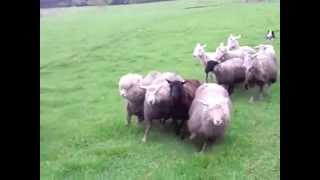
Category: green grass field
[85,51]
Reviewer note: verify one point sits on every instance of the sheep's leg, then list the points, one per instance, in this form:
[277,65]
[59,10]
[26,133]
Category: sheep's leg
[140,118]
[246,86]
[209,142]
[204,146]
[192,136]
[179,127]
[146,131]
[211,77]
[251,100]
[267,90]
[261,92]
[176,126]
[230,89]
[206,77]
[162,121]
[129,115]
[225,86]
[184,132]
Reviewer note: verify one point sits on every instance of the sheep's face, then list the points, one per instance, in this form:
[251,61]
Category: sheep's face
[198,50]
[176,89]
[221,51]
[217,115]
[127,82]
[262,48]
[233,42]
[124,90]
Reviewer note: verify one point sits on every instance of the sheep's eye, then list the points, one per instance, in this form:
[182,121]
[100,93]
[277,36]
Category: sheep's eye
[129,87]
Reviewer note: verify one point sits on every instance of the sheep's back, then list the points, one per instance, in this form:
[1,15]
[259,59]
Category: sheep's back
[231,71]
[157,111]
[148,79]
[129,79]
[210,89]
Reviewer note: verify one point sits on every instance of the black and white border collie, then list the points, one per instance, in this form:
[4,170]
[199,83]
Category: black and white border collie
[270,35]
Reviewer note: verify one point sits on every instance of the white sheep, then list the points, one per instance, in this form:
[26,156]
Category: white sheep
[203,56]
[262,70]
[233,43]
[209,113]
[266,49]
[129,89]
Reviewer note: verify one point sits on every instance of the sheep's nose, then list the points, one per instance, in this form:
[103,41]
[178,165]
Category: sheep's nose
[218,122]
[122,93]
[152,101]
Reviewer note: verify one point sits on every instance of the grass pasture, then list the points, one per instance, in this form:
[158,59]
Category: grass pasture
[84,52]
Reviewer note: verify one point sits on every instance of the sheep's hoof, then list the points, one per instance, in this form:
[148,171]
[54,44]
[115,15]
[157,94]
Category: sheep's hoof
[182,137]
[144,139]
[251,100]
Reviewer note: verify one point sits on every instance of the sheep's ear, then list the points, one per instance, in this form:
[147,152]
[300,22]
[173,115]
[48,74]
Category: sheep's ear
[238,37]
[158,87]
[168,81]
[204,46]
[202,102]
[254,56]
[143,87]
[221,44]
[184,82]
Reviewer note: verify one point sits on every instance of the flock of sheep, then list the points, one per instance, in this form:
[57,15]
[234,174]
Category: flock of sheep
[202,109]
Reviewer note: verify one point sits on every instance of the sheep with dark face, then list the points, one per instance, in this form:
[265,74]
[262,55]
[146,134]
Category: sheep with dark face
[182,94]
[210,67]
[205,58]
[229,73]
[129,89]
[158,103]
[209,113]
[262,71]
